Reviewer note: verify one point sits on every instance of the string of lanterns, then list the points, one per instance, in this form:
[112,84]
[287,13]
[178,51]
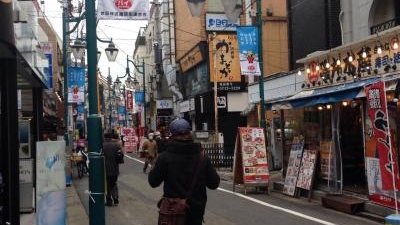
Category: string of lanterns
[353,66]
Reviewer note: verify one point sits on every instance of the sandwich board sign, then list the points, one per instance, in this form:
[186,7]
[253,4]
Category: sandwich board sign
[250,165]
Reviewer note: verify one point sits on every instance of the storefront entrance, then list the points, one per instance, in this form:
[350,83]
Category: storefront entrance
[352,148]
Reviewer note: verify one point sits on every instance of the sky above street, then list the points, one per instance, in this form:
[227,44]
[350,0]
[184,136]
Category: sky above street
[122,32]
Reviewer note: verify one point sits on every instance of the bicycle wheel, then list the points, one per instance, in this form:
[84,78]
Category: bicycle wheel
[80,169]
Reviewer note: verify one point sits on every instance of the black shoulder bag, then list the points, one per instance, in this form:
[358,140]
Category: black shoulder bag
[172,210]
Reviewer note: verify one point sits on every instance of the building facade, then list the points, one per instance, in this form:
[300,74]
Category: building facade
[334,112]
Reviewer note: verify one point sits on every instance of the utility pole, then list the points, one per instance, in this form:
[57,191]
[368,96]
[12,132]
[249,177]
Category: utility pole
[263,123]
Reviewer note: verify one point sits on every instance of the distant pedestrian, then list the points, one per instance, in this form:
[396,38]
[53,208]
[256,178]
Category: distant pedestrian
[150,149]
[112,148]
[185,171]
[160,140]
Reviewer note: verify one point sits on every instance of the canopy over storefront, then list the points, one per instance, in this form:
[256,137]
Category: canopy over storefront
[332,94]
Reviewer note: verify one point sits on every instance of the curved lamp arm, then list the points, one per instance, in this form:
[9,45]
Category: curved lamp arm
[77,20]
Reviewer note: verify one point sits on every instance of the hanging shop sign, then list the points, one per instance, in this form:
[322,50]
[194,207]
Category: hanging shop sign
[381,157]
[219,22]
[123,9]
[129,101]
[121,113]
[76,85]
[250,158]
[248,50]
[224,51]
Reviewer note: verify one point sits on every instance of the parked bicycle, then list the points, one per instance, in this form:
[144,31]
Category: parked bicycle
[80,159]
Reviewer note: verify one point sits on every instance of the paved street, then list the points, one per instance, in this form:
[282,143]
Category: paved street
[138,204]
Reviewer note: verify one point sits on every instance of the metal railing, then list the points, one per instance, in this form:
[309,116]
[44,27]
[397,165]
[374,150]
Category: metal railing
[219,159]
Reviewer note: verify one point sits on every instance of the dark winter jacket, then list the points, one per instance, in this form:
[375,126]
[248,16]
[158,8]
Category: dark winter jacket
[110,149]
[176,166]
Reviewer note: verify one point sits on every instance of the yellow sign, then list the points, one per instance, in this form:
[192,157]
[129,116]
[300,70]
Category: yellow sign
[192,59]
[224,51]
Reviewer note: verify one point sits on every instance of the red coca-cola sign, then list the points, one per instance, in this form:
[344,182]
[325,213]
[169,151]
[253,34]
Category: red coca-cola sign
[313,76]
[123,4]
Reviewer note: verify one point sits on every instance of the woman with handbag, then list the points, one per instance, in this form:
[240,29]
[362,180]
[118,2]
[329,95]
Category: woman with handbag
[186,172]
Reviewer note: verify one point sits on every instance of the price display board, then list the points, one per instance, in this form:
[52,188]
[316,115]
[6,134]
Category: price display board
[293,168]
[307,169]
[250,161]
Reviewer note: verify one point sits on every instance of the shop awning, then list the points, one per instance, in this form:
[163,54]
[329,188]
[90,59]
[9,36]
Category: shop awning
[327,94]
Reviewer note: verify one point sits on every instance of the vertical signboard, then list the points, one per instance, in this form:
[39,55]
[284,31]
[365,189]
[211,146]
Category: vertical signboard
[50,183]
[248,50]
[129,101]
[225,66]
[381,158]
[130,140]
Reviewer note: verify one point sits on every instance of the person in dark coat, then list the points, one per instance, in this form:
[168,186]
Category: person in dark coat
[111,146]
[176,167]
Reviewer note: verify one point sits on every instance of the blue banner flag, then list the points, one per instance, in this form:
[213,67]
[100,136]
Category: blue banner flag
[76,84]
[139,96]
[248,50]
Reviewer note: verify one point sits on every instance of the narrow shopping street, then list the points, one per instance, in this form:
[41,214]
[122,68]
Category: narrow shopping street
[138,204]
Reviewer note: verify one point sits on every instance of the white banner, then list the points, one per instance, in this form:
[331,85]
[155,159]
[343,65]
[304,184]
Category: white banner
[50,183]
[123,9]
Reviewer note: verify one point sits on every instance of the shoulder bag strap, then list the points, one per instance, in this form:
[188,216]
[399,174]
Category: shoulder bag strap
[195,174]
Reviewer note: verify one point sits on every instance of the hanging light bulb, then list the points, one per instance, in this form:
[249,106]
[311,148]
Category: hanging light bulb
[327,65]
[308,70]
[317,68]
[350,58]
[395,43]
[379,51]
[364,53]
[299,72]
[338,62]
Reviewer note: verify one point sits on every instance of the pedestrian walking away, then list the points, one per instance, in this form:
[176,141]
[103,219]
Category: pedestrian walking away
[112,149]
[150,147]
[186,173]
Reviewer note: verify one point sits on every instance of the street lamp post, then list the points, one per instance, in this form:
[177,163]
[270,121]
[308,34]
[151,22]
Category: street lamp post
[96,178]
